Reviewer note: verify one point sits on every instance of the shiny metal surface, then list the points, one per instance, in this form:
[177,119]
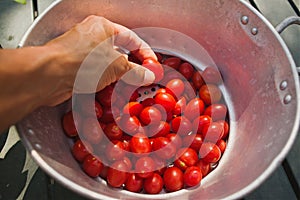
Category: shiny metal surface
[263,126]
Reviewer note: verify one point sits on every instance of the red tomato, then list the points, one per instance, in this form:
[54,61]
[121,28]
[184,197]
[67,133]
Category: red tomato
[103,173]
[197,79]
[176,87]
[186,157]
[213,132]
[129,124]
[222,145]
[105,96]
[115,150]
[175,139]
[150,115]
[173,62]
[134,96]
[210,152]
[166,100]
[92,130]
[212,75]
[179,106]
[81,149]
[200,122]
[186,69]
[144,167]
[192,176]
[140,144]
[193,141]
[89,107]
[107,116]
[194,109]
[158,129]
[113,131]
[117,174]
[153,184]
[69,125]
[155,67]
[181,125]
[92,166]
[133,108]
[210,94]
[225,128]
[173,179]
[134,183]
[204,166]
[216,111]
[163,147]
[148,102]
[127,161]
[134,59]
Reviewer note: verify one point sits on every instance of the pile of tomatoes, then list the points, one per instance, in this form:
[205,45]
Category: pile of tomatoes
[166,136]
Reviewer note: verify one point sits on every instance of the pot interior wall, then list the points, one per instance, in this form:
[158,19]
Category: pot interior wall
[252,66]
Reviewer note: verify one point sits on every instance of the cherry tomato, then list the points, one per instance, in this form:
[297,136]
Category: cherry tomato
[134,59]
[115,150]
[150,114]
[134,96]
[103,173]
[193,141]
[213,132]
[225,128]
[197,79]
[171,74]
[128,162]
[92,131]
[222,145]
[173,179]
[181,125]
[204,166]
[81,149]
[216,111]
[210,94]
[175,86]
[69,125]
[175,139]
[153,184]
[212,75]
[189,90]
[155,67]
[194,109]
[140,144]
[166,100]
[179,106]
[159,129]
[89,107]
[144,167]
[105,97]
[92,166]
[129,124]
[192,176]
[210,152]
[186,69]
[200,123]
[173,62]
[134,183]
[186,157]
[148,102]
[113,131]
[163,147]
[133,108]
[117,174]
[107,116]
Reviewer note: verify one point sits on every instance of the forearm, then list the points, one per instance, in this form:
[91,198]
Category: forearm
[23,76]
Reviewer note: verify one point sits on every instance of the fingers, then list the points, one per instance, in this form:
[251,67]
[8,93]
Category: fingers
[129,72]
[130,41]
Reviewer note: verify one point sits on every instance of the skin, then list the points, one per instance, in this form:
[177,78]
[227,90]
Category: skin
[32,77]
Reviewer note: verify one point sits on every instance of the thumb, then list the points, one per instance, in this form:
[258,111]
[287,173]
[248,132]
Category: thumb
[138,75]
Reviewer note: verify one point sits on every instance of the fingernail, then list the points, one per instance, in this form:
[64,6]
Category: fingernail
[149,77]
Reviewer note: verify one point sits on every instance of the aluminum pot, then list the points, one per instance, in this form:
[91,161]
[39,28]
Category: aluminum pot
[260,84]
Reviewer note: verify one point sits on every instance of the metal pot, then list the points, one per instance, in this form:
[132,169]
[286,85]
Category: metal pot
[260,84]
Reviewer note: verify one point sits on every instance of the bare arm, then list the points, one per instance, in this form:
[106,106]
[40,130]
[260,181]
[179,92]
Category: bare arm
[31,77]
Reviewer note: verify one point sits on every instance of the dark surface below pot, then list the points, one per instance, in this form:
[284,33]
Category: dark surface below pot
[282,184]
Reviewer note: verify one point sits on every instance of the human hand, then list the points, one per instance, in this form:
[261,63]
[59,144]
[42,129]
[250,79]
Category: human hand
[87,60]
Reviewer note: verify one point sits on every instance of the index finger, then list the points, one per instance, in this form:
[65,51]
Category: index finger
[129,40]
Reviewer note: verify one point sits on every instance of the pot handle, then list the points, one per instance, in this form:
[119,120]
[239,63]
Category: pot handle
[286,23]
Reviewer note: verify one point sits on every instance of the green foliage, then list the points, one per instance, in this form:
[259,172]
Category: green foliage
[20,1]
